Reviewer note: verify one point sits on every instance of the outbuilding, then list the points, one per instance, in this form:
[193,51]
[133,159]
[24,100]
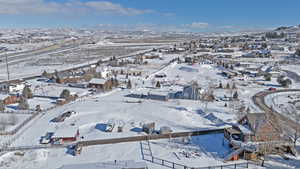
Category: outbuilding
[99,83]
[68,134]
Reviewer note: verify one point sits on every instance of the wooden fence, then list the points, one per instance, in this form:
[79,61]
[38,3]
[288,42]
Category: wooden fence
[148,156]
[149,137]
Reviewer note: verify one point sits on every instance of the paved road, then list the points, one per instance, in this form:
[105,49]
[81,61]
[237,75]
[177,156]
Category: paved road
[259,101]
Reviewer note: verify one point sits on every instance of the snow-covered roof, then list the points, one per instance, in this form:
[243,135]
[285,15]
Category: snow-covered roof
[244,129]
[108,165]
[65,132]
[97,81]
[3,96]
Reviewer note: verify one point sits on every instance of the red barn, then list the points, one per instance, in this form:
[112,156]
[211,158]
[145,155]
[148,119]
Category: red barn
[65,135]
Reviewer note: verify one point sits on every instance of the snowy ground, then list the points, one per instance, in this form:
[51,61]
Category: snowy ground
[95,111]
[18,118]
[284,103]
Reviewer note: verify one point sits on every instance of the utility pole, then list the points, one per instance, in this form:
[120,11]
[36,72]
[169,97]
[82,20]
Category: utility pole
[7,69]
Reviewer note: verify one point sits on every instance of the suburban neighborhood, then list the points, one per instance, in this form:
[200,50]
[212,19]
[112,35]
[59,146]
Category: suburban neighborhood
[100,97]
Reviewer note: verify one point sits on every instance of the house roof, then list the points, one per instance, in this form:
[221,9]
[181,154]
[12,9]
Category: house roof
[256,121]
[97,81]
[3,96]
[64,132]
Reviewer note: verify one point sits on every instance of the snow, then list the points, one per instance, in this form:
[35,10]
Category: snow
[95,112]
[107,165]
[65,132]
[97,81]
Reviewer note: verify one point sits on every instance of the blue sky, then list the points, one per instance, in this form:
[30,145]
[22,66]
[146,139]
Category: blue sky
[180,15]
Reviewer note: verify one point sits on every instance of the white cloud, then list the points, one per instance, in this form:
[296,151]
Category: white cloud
[197,25]
[19,7]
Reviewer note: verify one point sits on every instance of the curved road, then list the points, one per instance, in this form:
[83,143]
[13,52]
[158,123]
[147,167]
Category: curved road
[259,100]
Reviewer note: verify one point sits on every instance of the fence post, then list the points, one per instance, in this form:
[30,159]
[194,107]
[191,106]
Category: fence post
[152,159]
[247,165]
[173,165]
[235,166]
[162,162]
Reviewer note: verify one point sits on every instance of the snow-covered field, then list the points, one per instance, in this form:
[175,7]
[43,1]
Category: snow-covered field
[94,112]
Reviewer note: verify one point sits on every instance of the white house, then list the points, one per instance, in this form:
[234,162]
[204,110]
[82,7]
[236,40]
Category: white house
[12,87]
[192,91]
[103,71]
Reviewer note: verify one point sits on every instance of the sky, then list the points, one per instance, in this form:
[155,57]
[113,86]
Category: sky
[160,15]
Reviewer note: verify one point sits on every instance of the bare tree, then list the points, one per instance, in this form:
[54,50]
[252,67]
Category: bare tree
[129,86]
[27,93]
[3,124]
[2,106]
[208,95]
[23,104]
[290,131]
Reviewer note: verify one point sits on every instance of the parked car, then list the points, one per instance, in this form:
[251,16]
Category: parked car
[47,138]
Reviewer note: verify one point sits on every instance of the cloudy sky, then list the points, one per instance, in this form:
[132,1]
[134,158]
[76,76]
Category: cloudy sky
[174,15]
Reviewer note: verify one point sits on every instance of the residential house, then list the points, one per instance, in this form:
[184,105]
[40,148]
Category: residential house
[254,127]
[103,72]
[9,99]
[12,87]
[103,84]
[192,91]
[67,77]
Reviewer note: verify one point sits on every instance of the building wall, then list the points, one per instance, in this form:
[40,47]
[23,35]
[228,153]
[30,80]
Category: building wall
[11,100]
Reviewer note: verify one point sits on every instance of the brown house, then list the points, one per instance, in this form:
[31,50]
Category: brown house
[254,127]
[103,84]
[254,135]
[68,77]
[8,99]
[99,83]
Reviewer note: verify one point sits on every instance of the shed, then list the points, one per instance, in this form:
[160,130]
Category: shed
[149,128]
[98,83]
[68,134]
[165,130]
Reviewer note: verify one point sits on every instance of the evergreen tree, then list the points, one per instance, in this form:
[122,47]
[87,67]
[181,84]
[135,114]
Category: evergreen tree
[65,94]
[157,84]
[235,95]
[221,85]
[45,74]
[268,77]
[227,86]
[129,86]
[297,52]
[248,110]
[286,83]
[38,108]
[27,93]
